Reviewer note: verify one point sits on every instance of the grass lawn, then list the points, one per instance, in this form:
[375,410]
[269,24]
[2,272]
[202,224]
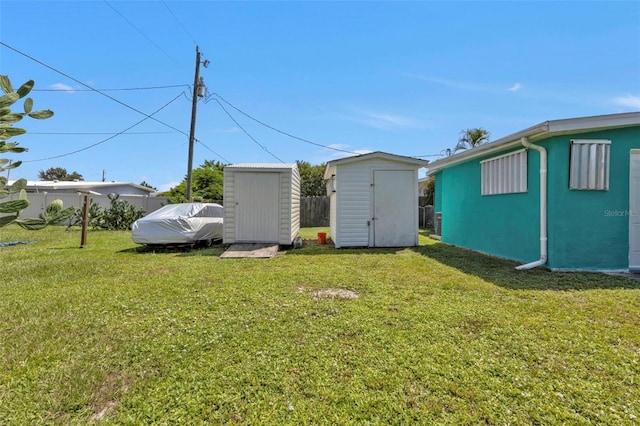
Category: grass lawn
[112,333]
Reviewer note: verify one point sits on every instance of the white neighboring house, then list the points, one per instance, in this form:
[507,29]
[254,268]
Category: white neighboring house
[422,189]
[95,188]
[41,193]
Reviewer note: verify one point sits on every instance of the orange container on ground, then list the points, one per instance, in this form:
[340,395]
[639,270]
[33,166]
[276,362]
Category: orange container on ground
[322,238]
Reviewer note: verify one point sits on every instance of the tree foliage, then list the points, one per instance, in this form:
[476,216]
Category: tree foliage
[119,216]
[429,187]
[55,212]
[206,184]
[311,179]
[468,139]
[471,138]
[59,173]
[148,185]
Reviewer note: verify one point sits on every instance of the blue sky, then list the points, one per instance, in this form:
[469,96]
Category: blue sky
[399,77]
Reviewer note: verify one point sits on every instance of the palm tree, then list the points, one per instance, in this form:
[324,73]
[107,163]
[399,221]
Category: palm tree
[470,138]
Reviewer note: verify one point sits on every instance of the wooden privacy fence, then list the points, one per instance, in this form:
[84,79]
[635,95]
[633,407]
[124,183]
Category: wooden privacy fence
[425,217]
[314,211]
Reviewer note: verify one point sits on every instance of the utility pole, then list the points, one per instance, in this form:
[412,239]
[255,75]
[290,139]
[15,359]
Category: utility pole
[198,91]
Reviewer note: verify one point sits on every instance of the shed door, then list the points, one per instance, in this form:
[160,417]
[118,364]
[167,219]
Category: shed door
[394,199]
[257,207]
[634,211]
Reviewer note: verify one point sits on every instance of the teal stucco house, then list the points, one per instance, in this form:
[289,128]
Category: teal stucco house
[564,194]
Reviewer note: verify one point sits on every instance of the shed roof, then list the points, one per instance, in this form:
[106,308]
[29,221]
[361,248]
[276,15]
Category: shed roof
[540,131]
[374,155]
[272,167]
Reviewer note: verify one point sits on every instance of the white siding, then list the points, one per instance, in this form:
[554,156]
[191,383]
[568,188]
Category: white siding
[294,191]
[335,237]
[229,225]
[353,209]
[352,203]
[287,192]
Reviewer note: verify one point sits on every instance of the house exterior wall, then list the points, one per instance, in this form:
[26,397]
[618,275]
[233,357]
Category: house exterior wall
[587,230]
[590,229]
[352,203]
[505,225]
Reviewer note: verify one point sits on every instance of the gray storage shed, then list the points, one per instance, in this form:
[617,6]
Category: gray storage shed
[374,200]
[261,203]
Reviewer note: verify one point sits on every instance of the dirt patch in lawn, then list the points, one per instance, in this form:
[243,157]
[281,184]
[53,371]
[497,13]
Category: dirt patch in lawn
[335,293]
[103,399]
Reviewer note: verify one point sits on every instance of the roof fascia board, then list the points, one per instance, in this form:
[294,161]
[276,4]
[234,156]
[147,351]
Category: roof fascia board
[537,132]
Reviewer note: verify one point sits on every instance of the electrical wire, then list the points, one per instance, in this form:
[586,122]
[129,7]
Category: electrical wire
[247,133]
[278,130]
[107,139]
[204,145]
[140,31]
[97,133]
[180,23]
[299,138]
[112,90]
[92,88]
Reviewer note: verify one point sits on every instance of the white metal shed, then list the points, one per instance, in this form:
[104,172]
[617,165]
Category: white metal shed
[374,200]
[261,203]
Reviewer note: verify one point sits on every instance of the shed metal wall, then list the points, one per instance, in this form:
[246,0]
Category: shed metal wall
[353,201]
[288,192]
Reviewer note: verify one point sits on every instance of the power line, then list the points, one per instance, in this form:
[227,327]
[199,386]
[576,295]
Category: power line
[97,133]
[112,90]
[180,23]
[107,139]
[247,133]
[140,31]
[278,130]
[92,88]
[203,144]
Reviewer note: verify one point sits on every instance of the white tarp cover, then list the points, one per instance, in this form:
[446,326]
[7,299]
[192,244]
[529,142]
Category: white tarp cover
[179,224]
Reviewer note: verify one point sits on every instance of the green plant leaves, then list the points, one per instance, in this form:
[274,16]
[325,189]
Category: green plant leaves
[26,88]
[8,99]
[5,84]
[41,115]
[28,105]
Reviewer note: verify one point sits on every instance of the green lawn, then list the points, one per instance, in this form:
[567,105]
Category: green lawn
[438,335]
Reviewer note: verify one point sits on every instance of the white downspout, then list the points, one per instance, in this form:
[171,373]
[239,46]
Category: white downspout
[543,205]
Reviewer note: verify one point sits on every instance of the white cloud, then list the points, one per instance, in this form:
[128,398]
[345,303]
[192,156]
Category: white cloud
[628,101]
[386,121]
[454,84]
[515,87]
[62,87]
